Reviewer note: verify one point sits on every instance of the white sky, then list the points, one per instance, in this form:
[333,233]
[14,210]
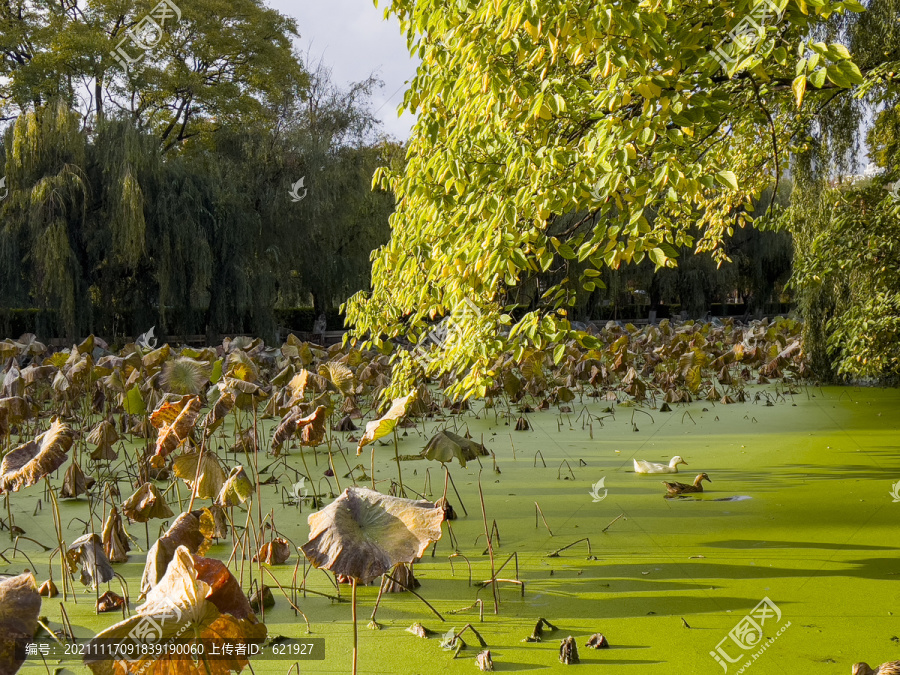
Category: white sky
[354,40]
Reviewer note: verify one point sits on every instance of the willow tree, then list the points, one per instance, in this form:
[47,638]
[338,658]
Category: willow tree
[529,111]
[846,228]
[44,212]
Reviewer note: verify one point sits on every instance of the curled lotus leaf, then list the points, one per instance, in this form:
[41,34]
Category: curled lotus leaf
[202,471]
[20,605]
[114,538]
[16,409]
[215,417]
[29,463]
[75,482]
[445,446]
[312,427]
[87,553]
[175,422]
[363,534]
[340,376]
[103,433]
[275,552]
[186,532]
[196,599]
[385,424]
[146,503]
[238,488]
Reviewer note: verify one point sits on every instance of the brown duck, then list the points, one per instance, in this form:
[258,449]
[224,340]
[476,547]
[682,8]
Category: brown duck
[890,668]
[676,489]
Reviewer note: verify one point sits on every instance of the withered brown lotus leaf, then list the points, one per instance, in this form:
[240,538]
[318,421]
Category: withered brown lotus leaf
[175,422]
[246,442]
[115,540]
[312,428]
[219,412]
[20,605]
[363,533]
[87,553]
[568,651]
[346,424]
[110,602]
[75,482]
[104,452]
[48,589]
[275,552]
[200,470]
[597,641]
[103,433]
[196,599]
[29,463]
[522,424]
[145,504]
[185,531]
[484,661]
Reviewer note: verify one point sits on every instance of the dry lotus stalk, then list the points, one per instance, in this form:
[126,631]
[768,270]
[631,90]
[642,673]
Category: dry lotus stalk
[175,422]
[20,605]
[115,540]
[363,534]
[29,463]
[145,504]
[385,425]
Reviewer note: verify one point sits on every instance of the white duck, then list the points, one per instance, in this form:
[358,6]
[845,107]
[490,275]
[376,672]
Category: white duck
[640,466]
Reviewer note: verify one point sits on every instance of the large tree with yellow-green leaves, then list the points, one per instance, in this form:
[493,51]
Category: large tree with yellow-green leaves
[576,134]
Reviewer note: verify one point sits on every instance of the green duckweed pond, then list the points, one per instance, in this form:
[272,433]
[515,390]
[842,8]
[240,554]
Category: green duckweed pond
[801,511]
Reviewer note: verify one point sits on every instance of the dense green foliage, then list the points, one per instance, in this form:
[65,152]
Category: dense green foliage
[618,112]
[847,230]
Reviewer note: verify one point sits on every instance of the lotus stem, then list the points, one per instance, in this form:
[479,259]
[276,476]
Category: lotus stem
[355,631]
[487,535]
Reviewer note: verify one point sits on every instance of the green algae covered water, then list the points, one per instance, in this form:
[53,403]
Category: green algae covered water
[795,538]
